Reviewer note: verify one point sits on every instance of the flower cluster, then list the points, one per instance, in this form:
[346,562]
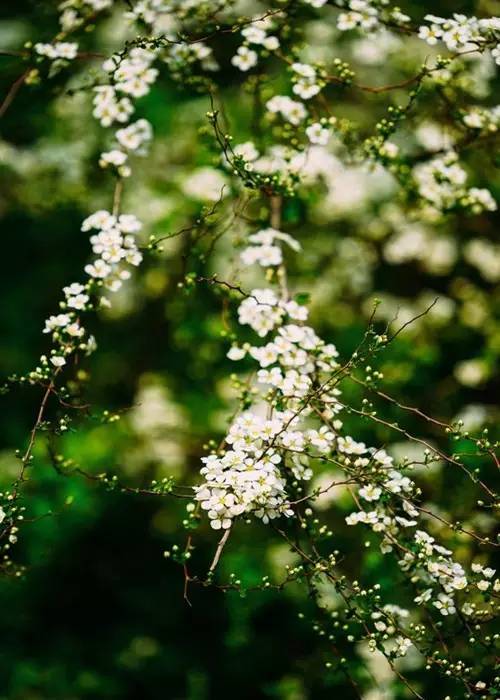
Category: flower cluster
[305,82]
[294,423]
[429,564]
[264,250]
[255,35]
[318,133]
[244,58]
[265,453]
[182,57]
[287,166]
[147,11]
[316,3]
[113,244]
[460,33]
[130,139]
[263,311]
[115,248]
[362,14]
[485,256]
[130,77]
[442,182]
[109,107]
[246,479]
[291,110]
[74,12]
[59,50]
[483,119]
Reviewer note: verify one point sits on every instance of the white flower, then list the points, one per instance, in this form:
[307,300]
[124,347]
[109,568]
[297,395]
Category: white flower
[268,236]
[99,220]
[474,120]
[321,439]
[64,50]
[445,604]
[58,360]
[350,446]
[271,43]
[54,322]
[135,135]
[245,58]
[110,108]
[247,151]
[235,353]
[290,110]
[99,4]
[254,35]
[98,269]
[361,15]
[115,158]
[293,440]
[429,34]
[304,70]
[370,492]
[78,301]
[402,645]
[397,483]
[355,518]
[224,523]
[265,255]
[305,85]
[389,149]
[75,330]
[128,223]
[260,311]
[134,75]
[266,355]
[74,288]
[316,133]
[205,184]
[316,3]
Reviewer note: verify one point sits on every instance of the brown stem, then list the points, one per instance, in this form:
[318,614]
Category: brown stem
[14,88]
[219,549]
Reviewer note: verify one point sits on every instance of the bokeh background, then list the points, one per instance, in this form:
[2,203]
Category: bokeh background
[98,612]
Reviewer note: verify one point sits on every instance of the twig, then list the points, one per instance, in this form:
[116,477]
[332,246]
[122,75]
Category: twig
[218,551]
[14,88]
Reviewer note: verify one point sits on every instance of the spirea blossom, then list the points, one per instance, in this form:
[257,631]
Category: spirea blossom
[61,49]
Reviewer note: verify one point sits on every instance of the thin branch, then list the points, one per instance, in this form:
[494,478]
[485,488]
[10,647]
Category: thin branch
[13,90]
[218,551]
